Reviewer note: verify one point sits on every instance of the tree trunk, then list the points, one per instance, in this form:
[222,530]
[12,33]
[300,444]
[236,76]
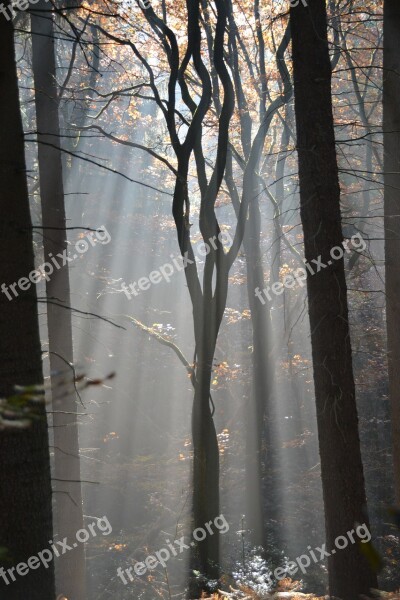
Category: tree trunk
[341,465]
[25,483]
[69,519]
[205,471]
[260,412]
[391,128]
[261,422]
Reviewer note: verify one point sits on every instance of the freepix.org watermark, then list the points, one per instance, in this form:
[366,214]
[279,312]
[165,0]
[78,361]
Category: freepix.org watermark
[174,549]
[302,562]
[299,276]
[58,548]
[9,10]
[179,263]
[44,271]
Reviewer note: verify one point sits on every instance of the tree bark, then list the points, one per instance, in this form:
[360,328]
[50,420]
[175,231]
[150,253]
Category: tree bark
[25,481]
[69,518]
[391,128]
[341,465]
[205,469]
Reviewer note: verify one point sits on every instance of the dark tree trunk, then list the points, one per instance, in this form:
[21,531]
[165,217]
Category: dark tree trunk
[205,468]
[391,128]
[25,484]
[341,465]
[69,519]
[209,301]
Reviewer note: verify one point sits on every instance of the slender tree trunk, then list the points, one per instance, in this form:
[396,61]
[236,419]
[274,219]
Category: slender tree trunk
[391,127]
[260,423]
[260,416]
[256,411]
[341,465]
[25,484]
[69,519]
[276,254]
[205,467]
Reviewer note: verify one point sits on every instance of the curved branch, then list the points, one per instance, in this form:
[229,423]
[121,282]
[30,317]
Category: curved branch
[131,145]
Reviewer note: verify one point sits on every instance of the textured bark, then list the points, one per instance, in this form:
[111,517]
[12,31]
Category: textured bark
[25,484]
[71,566]
[391,127]
[341,465]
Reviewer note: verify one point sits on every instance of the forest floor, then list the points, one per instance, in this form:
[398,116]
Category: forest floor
[246,594]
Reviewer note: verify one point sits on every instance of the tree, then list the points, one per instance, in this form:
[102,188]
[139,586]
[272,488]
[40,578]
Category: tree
[69,518]
[341,465]
[25,482]
[391,128]
[260,421]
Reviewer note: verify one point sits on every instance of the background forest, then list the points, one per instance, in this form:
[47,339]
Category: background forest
[199,307]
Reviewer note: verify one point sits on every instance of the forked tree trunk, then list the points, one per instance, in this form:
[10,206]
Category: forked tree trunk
[391,128]
[70,566]
[25,484]
[341,465]
[204,555]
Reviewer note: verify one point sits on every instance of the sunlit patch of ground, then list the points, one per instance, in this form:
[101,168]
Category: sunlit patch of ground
[281,594]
